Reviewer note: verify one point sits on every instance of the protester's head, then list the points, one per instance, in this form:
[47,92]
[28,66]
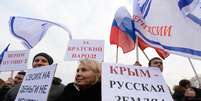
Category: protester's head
[193,92]
[156,62]
[2,82]
[190,92]
[185,83]
[42,59]
[88,73]
[9,82]
[19,77]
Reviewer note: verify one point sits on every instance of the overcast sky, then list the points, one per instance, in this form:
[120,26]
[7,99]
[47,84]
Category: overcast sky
[86,19]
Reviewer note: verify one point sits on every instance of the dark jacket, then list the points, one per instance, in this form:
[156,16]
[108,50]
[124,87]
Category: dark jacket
[55,91]
[191,99]
[90,94]
[3,91]
[12,93]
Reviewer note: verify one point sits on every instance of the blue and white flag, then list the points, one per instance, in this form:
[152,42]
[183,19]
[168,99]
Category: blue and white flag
[31,30]
[2,53]
[172,25]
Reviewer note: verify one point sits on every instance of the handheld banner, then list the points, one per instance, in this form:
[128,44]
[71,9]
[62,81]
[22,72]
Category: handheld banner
[36,84]
[81,49]
[14,60]
[130,83]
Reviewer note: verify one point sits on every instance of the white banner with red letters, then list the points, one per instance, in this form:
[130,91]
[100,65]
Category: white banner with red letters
[81,49]
[131,83]
[15,60]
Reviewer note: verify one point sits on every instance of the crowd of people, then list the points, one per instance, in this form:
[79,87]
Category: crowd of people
[182,92]
[185,92]
[87,83]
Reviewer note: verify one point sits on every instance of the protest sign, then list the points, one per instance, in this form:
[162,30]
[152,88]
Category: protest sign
[36,84]
[81,49]
[130,83]
[14,60]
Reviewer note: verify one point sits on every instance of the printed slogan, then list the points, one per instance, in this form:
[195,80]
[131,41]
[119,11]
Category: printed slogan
[130,83]
[36,84]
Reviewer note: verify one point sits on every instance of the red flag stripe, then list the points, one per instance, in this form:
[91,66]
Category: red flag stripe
[121,39]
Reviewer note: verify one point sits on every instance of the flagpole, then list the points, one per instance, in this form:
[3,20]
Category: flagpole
[117,52]
[199,82]
[12,73]
[137,52]
[145,55]
[137,45]
[142,50]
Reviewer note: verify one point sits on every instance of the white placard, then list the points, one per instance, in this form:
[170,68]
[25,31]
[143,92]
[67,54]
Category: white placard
[81,49]
[36,84]
[130,83]
[15,60]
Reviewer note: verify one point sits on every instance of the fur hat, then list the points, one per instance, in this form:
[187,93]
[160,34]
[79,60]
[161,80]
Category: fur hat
[48,57]
[184,82]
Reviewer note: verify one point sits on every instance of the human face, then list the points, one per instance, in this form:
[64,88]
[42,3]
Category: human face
[190,92]
[85,76]
[18,79]
[40,61]
[157,63]
[10,82]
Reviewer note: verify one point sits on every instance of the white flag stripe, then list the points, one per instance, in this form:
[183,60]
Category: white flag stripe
[30,30]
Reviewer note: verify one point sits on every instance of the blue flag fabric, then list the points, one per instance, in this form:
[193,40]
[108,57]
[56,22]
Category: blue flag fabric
[2,53]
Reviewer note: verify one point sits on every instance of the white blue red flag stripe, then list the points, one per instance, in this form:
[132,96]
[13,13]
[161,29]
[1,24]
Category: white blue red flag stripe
[122,33]
[172,25]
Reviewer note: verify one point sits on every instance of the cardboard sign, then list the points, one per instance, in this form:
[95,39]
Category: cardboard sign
[130,83]
[81,49]
[15,60]
[36,84]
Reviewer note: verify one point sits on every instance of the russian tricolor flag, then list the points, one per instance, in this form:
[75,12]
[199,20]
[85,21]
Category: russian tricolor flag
[122,33]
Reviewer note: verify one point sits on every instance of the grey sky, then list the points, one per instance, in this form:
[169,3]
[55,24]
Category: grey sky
[86,19]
